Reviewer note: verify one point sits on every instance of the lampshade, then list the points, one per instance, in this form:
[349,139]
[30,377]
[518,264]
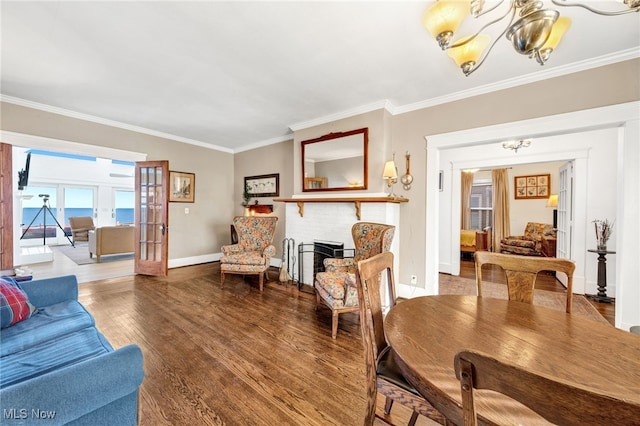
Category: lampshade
[471,51]
[557,31]
[553,200]
[445,15]
[390,171]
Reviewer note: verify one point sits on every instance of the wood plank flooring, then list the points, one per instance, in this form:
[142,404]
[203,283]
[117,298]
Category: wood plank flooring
[232,355]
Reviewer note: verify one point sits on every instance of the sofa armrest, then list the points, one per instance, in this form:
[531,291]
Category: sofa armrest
[76,390]
[50,291]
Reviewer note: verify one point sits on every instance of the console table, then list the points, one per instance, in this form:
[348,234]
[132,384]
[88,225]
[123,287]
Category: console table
[602,277]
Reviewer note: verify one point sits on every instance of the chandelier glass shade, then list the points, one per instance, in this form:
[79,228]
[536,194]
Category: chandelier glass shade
[534,31]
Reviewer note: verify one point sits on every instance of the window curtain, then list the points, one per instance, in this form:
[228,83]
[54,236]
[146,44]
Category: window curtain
[465,210]
[501,227]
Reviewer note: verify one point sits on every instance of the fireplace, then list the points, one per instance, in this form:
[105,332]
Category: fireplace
[331,220]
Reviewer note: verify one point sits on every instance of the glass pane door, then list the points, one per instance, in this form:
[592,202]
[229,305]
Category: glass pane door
[78,202]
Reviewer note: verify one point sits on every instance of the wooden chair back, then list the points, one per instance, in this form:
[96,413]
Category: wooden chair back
[559,402]
[521,272]
[368,278]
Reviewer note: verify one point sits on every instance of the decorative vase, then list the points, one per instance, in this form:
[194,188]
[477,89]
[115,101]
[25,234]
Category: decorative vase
[602,247]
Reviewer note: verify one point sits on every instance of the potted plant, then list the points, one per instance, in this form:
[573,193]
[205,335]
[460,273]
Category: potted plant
[246,198]
[604,229]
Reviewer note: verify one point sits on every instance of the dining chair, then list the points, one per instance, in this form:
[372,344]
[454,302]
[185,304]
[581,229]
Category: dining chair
[558,401]
[383,373]
[521,273]
[336,286]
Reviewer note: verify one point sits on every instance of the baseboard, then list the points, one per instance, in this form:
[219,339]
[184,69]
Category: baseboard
[206,258]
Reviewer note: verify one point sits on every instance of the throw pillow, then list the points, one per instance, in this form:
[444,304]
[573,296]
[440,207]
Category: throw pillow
[14,303]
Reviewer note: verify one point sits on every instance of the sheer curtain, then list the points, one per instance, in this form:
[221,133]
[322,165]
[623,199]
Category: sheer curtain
[465,211]
[501,226]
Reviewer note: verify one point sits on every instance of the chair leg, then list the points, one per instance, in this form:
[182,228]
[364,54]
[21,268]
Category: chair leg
[261,280]
[221,279]
[388,403]
[334,324]
[412,420]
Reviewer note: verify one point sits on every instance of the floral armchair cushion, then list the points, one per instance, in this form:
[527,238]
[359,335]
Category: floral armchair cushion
[529,243]
[337,285]
[370,239]
[254,247]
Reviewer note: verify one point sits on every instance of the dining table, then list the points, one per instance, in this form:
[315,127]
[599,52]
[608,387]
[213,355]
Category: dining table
[426,332]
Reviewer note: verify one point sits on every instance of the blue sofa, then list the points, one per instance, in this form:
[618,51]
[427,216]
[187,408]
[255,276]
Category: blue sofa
[57,368]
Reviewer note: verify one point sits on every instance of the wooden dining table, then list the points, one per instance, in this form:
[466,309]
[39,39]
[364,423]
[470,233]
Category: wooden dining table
[426,333]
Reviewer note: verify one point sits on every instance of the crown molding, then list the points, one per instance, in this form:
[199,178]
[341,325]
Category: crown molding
[107,122]
[547,73]
[374,106]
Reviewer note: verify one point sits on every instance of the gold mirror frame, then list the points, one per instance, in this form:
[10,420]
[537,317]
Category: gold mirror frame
[336,162]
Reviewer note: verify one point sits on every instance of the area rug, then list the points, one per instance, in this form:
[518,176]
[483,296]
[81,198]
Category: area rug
[549,299]
[80,255]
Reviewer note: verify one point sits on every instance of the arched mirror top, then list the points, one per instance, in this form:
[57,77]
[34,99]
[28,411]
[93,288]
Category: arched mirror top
[335,162]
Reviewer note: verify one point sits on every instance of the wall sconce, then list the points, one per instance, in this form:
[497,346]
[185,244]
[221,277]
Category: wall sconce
[390,174]
[553,202]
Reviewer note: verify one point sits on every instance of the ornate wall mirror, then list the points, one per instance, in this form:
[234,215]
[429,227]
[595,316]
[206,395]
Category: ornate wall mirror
[335,162]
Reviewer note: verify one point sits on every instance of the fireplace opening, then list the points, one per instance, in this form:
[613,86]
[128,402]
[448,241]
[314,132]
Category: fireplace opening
[311,259]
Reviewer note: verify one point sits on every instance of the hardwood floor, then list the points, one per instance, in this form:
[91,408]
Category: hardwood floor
[233,355]
[543,282]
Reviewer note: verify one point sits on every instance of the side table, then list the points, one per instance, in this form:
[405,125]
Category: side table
[602,277]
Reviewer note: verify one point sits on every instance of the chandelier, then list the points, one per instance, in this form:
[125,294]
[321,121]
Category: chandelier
[532,29]
[516,145]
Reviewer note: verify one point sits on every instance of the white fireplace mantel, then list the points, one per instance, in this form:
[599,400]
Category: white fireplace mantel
[357,201]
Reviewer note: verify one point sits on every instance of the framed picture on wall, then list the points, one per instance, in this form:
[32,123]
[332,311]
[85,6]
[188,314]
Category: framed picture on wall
[531,187]
[182,187]
[263,185]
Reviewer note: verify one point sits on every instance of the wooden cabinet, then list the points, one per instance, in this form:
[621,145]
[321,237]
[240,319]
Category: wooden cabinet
[548,246]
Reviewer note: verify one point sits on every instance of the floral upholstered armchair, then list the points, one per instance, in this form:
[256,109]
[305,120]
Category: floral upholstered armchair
[336,286]
[529,244]
[252,253]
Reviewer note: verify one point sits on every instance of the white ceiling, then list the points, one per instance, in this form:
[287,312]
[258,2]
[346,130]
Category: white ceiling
[237,75]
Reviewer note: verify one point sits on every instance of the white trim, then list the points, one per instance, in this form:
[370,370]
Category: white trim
[107,122]
[59,145]
[374,106]
[193,260]
[604,117]
[547,73]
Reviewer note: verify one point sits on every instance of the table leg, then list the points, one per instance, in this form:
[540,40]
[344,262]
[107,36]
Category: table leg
[602,281]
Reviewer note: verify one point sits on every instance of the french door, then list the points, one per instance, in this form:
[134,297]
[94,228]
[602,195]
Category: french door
[152,218]
[565,215]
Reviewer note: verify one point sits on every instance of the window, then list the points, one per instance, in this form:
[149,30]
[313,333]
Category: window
[481,205]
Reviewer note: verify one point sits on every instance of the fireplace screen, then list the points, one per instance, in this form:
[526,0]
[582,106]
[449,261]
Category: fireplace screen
[311,257]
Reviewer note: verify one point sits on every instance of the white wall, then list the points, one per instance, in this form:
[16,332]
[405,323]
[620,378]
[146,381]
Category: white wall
[623,118]
[597,148]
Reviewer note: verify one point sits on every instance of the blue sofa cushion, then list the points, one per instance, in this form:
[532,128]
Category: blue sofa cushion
[49,322]
[51,355]
[14,303]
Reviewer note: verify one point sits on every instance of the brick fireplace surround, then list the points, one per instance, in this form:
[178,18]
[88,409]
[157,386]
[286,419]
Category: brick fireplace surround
[331,219]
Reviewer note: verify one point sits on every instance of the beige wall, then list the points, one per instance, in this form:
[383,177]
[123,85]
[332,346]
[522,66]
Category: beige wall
[610,85]
[199,233]
[220,176]
[277,158]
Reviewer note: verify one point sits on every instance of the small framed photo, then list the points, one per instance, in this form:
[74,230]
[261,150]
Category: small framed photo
[182,187]
[263,185]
